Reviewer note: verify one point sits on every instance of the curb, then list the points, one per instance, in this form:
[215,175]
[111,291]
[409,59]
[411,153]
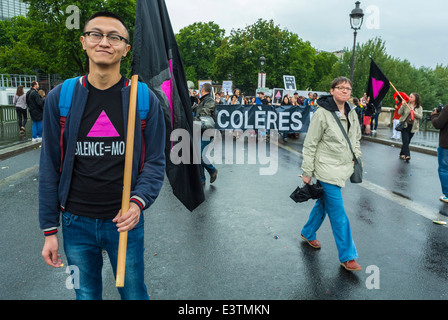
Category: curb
[397,144]
[17,149]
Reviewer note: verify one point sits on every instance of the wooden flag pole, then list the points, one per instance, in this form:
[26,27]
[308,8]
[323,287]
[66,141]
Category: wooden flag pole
[122,245]
[402,99]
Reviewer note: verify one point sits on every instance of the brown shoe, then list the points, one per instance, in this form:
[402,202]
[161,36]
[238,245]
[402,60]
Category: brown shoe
[314,243]
[351,265]
[213,176]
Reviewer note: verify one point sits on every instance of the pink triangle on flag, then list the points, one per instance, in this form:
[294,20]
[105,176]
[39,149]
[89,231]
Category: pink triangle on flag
[377,85]
[103,127]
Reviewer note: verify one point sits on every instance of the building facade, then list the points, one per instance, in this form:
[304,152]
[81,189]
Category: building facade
[12,8]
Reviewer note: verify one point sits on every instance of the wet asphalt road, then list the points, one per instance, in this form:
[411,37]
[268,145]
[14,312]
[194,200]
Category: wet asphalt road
[243,242]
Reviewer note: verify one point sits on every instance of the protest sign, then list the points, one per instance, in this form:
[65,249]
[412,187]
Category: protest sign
[286,118]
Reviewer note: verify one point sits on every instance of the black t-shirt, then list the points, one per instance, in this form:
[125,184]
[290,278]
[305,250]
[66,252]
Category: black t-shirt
[97,181]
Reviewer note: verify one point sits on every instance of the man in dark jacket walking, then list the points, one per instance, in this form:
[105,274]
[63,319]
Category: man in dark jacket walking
[207,107]
[439,119]
[36,107]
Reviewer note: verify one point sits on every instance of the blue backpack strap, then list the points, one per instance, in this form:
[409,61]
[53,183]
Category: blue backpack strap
[66,95]
[65,102]
[143,100]
[143,109]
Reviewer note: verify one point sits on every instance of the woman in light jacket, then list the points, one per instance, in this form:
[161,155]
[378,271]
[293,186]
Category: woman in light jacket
[328,158]
[20,104]
[411,116]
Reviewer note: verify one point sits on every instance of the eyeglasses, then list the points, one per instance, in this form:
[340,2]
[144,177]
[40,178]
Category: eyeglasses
[96,37]
[343,89]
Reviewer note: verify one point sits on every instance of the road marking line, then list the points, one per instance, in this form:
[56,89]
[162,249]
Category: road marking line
[9,180]
[383,192]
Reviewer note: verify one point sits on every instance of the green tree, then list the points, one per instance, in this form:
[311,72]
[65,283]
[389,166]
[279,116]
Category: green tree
[197,45]
[52,47]
[404,76]
[285,53]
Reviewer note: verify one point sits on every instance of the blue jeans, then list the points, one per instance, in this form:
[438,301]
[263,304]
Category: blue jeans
[442,156]
[209,167]
[37,129]
[333,205]
[84,240]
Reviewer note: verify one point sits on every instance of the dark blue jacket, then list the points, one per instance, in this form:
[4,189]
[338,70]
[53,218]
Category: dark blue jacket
[54,185]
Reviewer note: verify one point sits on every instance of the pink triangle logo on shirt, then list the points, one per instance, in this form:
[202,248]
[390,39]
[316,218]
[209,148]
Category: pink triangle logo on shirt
[103,127]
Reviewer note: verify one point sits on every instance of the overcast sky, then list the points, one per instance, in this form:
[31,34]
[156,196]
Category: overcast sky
[415,30]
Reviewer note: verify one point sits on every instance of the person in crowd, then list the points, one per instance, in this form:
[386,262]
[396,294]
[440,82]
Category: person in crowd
[411,113]
[375,117]
[440,121]
[359,110]
[193,97]
[235,100]
[238,95]
[36,106]
[368,112]
[396,117]
[206,107]
[42,95]
[85,187]
[328,158]
[261,98]
[309,101]
[227,99]
[20,104]
[218,98]
[285,102]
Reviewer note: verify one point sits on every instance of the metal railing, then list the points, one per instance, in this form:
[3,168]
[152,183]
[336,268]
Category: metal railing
[15,80]
[8,114]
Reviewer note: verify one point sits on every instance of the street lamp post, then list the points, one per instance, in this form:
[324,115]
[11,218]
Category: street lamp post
[262,75]
[356,18]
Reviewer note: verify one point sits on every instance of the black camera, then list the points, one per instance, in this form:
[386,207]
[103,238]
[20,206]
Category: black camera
[438,109]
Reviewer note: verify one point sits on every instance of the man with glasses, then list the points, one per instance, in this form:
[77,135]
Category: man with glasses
[81,175]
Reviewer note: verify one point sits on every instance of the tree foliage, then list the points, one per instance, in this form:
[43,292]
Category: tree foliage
[428,83]
[198,43]
[285,53]
[41,42]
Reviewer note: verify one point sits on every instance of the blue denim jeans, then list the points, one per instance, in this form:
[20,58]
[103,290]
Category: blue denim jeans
[37,129]
[333,205]
[209,167]
[84,240]
[442,156]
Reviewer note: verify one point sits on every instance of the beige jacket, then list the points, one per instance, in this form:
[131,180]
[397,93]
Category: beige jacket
[326,153]
[418,115]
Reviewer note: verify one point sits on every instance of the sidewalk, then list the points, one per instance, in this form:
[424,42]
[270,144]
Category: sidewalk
[424,142]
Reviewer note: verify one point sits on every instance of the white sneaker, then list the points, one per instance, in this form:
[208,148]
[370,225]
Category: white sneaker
[34,140]
[444,198]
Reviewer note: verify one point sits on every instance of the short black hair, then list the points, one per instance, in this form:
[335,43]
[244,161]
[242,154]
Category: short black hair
[107,14]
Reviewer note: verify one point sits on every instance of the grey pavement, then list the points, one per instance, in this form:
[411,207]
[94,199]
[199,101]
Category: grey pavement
[243,242]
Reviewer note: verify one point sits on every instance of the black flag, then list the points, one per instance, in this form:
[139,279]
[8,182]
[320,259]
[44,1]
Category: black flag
[378,84]
[156,60]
